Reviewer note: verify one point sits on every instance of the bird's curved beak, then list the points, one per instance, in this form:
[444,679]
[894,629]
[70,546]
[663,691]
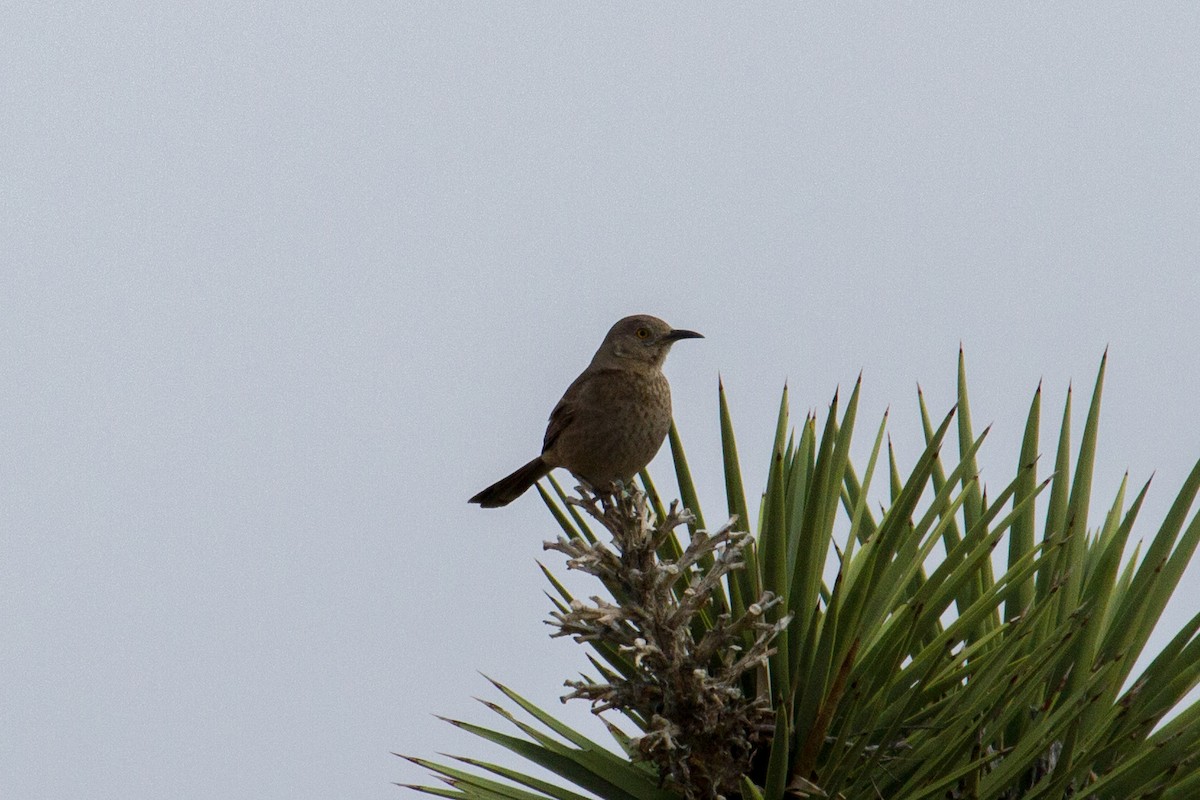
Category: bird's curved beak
[676,335]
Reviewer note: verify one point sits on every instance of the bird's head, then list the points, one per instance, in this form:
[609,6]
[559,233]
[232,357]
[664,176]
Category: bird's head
[641,338]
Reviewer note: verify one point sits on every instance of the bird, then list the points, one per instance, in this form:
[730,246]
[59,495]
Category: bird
[612,419]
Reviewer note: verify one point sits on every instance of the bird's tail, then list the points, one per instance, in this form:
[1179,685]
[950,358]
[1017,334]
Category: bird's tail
[505,490]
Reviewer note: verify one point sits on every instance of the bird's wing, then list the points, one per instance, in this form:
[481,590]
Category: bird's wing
[560,418]
[564,412]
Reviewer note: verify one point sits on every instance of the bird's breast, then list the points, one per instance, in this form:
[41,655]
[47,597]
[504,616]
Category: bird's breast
[619,421]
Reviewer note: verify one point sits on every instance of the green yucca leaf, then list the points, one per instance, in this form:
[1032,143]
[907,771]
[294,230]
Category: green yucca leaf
[750,791]
[959,567]
[867,528]
[1156,577]
[545,788]
[830,491]
[626,742]
[973,660]
[1104,560]
[683,476]
[800,463]
[1056,510]
[558,586]
[471,785]
[587,764]
[437,791]
[564,522]
[1079,501]
[563,730]
[897,524]
[1120,591]
[973,507]
[735,494]
[951,535]
[1149,767]
[862,523]
[579,767]
[1041,734]
[810,551]
[1167,679]
[938,730]
[812,692]
[1171,675]
[820,661]
[744,587]
[812,545]
[777,765]
[1021,538]
[580,527]
[865,736]
[827,484]
[889,577]
[1182,788]
[772,547]
[937,778]
[895,484]
[847,629]
[955,633]
[475,786]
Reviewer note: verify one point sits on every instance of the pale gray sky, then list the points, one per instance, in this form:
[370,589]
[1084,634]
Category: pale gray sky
[282,285]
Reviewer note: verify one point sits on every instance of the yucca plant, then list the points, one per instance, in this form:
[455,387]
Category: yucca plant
[937,663]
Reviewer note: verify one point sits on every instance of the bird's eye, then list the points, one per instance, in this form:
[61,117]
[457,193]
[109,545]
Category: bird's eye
[643,333]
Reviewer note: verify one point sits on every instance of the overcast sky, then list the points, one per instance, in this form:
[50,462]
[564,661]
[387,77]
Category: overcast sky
[282,285]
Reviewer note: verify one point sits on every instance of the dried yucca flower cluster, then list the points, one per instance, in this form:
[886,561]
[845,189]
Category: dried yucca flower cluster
[685,661]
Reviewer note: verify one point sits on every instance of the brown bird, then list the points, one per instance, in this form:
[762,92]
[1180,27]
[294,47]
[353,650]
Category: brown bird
[612,419]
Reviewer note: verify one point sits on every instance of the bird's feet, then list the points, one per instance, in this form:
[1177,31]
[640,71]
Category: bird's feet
[613,492]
